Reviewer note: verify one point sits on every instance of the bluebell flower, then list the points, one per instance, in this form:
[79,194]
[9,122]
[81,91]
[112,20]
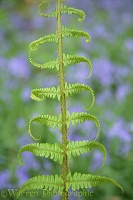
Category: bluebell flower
[30,161]
[122,91]
[78,73]
[75,136]
[97,160]
[118,130]
[121,72]
[4,179]
[18,67]
[24,139]
[25,94]
[103,97]
[21,123]
[103,70]
[22,175]
[129,44]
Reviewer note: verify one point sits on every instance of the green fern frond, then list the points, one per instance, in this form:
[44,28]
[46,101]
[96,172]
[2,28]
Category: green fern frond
[79,118]
[53,37]
[75,33]
[81,147]
[79,180]
[47,182]
[43,149]
[45,5]
[54,121]
[69,60]
[74,88]
[53,92]
[50,65]
[42,93]
[47,38]
[48,120]
[70,10]
[67,149]
[64,10]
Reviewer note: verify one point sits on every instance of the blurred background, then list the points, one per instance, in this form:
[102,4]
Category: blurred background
[110,25]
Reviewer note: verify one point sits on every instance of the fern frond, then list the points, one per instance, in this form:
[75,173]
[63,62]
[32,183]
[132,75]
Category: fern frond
[79,180]
[50,64]
[73,59]
[45,5]
[48,182]
[53,37]
[42,93]
[75,33]
[68,60]
[74,88]
[47,38]
[48,120]
[43,149]
[64,10]
[79,118]
[54,121]
[70,10]
[81,147]
[53,92]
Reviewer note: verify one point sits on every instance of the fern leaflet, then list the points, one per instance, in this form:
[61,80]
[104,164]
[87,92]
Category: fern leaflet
[81,147]
[43,149]
[54,121]
[79,180]
[48,182]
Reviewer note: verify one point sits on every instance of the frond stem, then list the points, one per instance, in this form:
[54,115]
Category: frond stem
[63,99]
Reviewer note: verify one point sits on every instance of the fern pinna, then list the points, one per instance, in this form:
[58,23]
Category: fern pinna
[64,151]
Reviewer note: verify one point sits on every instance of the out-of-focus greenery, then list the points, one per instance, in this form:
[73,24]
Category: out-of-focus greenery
[110,25]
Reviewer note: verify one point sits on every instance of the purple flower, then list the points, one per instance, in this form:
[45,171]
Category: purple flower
[97,160]
[103,97]
[108,115]
[103,70]
[4,179]
[100,31]
[2,63]
[75,108]
[119,130]
[75,136]
[18,21]
[129,44]
[22,172]
[21,123]
[18,67]
[29,160]
[25,139]
[25,95]
[121,72]
[22,175]
[49,81]
[47,166]
[111,5]
[122,91]
[78,73]
[89,129]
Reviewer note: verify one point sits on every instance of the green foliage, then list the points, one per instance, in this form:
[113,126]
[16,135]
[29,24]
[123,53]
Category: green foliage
[54,121]
[55,183]
[53,92]
[54,151]
[79,180]
[43,182]
[62,152]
